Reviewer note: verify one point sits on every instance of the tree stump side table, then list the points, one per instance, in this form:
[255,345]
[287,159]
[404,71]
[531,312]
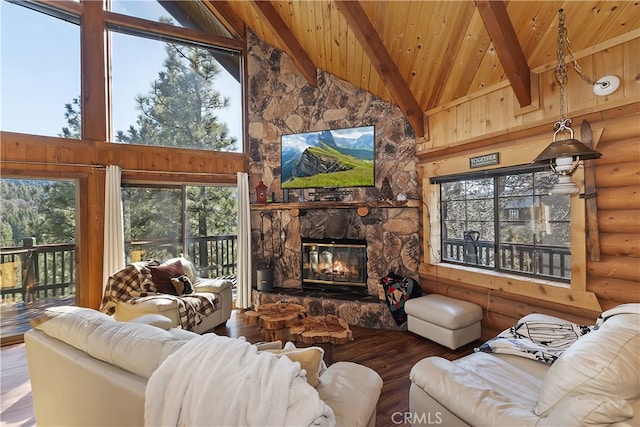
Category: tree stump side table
[275,319]
[324,331]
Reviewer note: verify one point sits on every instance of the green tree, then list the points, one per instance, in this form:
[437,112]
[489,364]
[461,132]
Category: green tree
[179,110]
[56,214]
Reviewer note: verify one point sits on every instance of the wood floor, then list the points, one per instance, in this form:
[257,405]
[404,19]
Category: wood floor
[390,353]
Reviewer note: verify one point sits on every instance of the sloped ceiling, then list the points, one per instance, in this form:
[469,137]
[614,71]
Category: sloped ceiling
[422,55]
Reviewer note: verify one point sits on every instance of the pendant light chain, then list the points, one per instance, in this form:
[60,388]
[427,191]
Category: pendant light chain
[561,66]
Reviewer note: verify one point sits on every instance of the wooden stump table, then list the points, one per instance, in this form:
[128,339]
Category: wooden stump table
[275,319]
[324,331]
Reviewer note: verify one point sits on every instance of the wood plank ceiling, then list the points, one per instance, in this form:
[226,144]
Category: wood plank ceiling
[423,55]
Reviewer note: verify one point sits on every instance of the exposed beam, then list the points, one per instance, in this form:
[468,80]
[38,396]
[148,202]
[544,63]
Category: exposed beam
[270,17]
[384,64]
[505,41]
[227,17]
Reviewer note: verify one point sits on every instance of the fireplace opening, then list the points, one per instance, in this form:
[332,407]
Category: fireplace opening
[334,265]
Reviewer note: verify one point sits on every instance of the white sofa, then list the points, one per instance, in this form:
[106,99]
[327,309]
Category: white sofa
[595,381]
[125,306]
[87,369]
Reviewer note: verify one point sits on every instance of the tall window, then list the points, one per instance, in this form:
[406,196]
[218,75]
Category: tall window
[37,253]
[180,95]
[40,71]
[199,222]
[507,221]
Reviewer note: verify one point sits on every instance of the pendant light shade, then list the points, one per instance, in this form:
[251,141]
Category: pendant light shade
[567,148]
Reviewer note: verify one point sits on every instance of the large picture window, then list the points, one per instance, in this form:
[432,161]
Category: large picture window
[180,95]
[40,71]
[507,221]
[199,222]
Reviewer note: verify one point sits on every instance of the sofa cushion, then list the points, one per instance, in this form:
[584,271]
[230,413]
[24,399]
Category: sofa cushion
[162,275]
[603,363]
[157,320]
[309,358]
[474,386]
[71,324]
[587,410]
[136,347]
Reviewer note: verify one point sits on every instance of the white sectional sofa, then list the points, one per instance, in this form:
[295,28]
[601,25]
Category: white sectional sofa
[87,369]
[594,382]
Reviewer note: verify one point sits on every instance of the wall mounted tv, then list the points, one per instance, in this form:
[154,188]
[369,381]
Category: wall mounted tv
[334,158]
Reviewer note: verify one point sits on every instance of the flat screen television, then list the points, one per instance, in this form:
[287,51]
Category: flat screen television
[336,158]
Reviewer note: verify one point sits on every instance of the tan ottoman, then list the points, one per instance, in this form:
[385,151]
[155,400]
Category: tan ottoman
[447,321]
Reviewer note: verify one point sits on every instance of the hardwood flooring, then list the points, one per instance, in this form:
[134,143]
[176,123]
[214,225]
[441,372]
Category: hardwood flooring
[390,353]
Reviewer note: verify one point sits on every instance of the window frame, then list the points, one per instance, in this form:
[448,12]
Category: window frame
[495,175]
[511,154]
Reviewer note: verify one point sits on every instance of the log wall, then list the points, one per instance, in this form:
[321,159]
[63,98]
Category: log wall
[491,123]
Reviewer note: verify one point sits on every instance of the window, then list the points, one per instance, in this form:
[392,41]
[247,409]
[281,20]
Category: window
[38,247]
[40,72]
[157,219]
[180,95]
[507,221]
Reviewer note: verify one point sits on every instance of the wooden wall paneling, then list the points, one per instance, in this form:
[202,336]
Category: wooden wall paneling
[579,93]
[618,198]
[621,244]
[615,267]
[610,289]
[629,78]
[618,221]
[602,64]
[617,152]
[611,175]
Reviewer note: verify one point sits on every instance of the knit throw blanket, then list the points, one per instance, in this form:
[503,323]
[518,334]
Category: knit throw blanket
[220,381]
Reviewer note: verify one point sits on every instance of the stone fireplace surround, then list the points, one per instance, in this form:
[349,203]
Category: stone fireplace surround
[392,245]
[280,101]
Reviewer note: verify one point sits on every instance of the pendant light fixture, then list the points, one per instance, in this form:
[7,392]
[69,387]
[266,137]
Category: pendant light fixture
[565,152]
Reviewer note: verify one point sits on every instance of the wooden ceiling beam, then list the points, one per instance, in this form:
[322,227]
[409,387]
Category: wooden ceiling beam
[224,13]
[269,15]
[505,41]
[383,62]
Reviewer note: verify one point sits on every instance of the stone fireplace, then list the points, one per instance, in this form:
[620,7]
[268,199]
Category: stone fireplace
[280,101]
[334,265]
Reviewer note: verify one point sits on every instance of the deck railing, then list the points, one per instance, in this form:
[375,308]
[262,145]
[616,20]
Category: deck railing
[38,271]
[32,272]
[542,260]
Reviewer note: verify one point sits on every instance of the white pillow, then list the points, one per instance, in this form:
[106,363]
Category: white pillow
[134,347]
[603,363]
[71,324]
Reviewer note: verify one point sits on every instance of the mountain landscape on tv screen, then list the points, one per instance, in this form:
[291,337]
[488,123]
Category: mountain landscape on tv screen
[330,158]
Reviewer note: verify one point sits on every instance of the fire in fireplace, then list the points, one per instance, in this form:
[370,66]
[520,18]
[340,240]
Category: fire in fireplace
[334,265]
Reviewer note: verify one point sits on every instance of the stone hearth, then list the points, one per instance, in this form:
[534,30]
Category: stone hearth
[367,312]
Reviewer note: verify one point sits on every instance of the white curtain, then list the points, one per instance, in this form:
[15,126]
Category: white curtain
[244,243]
[113,225]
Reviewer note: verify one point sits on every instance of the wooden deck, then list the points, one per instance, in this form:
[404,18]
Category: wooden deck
[390,353]
[14,317]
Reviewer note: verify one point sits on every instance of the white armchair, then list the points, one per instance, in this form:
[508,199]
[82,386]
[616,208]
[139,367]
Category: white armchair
[145,288]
